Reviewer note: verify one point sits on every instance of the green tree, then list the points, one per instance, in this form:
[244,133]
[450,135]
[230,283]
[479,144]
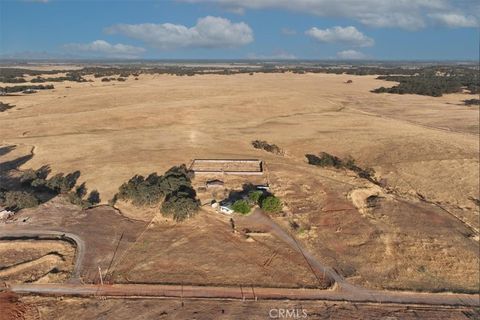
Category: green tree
[241,206]
[255,196]
[28,176]
[81,190]
[17,200]
[180,206]
[94,197]
[272,204]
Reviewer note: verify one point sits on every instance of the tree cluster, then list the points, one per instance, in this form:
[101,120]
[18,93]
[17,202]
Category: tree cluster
[174,188]
[264,200]
[57,184]
[434,82]
[468,102]
[12,80]
[37,187]
[77,197]
[71,76]
[17,200]
[26,87]
[264,145]
[327,160]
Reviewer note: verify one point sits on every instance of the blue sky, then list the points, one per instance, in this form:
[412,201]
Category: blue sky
[241,29]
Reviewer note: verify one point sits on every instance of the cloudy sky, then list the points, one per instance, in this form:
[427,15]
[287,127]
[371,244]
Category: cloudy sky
[241,29]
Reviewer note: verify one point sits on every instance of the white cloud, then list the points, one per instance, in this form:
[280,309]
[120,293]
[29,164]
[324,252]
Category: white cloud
[351,55]
[103,48]
[209,32]
[455,20]
[406,14]
[347,35]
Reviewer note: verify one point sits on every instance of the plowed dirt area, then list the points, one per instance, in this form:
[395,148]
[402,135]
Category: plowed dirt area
[206,251]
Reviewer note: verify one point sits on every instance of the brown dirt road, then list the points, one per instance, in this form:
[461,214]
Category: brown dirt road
[250,293]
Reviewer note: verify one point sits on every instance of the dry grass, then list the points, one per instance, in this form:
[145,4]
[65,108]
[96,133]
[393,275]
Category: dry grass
[416,144]
[35,261]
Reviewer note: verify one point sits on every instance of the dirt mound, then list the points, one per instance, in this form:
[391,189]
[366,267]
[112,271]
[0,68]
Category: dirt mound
[35,261]
[365,199]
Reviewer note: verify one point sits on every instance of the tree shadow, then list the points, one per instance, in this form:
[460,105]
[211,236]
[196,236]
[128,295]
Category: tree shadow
[34,182]
[6,149]
[15,163]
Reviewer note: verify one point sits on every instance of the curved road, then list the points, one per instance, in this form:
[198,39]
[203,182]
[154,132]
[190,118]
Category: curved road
[344,292]
[54,235]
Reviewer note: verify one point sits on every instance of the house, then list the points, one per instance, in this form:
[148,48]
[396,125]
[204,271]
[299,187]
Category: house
[215,183]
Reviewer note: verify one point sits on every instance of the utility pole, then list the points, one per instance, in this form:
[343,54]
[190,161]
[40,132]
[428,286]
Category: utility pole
[100,273]
[241,290]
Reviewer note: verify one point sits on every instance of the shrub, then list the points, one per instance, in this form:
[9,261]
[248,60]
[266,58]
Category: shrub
[328,160]
[470,102]
[241,206]
[324,160]
[272,204]
[294,225]
[264,145]
[255,196]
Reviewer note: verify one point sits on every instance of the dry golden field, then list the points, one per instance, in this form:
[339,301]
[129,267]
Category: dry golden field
[423,235]
[35,261]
